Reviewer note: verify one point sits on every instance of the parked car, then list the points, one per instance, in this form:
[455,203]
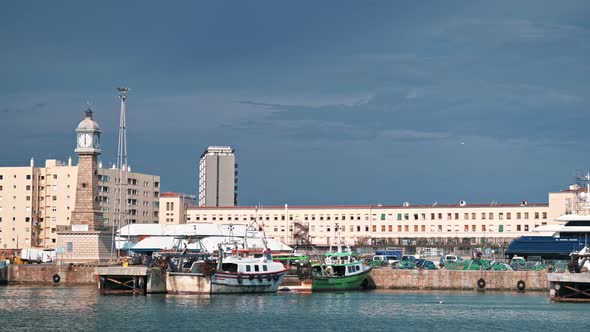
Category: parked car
[449,258]
[410,258]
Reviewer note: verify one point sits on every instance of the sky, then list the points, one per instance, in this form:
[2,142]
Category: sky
[324,102]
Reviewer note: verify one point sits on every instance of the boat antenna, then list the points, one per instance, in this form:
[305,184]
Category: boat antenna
[259,228]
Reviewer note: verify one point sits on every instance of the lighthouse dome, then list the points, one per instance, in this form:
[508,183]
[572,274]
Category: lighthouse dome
[88,124]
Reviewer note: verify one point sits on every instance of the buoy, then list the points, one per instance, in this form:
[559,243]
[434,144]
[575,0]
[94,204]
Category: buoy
[481,283]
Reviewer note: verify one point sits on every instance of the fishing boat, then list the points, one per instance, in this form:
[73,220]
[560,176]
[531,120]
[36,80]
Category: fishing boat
[339,271]
[232,274]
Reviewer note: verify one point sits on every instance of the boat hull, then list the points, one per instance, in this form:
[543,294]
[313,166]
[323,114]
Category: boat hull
[339,283]
[223,283]
[228,283]
[187,283]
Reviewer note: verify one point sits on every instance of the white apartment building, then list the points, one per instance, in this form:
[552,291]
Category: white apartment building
[218,177]
[35,201]
[405,224]
[174,207]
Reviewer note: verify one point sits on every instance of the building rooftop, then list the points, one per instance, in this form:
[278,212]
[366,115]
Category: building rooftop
[376,206]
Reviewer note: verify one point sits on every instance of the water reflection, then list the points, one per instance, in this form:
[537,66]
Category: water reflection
[82,308]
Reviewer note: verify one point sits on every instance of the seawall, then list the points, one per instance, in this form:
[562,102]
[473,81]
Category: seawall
[44,274]
[459,280]
[381,278]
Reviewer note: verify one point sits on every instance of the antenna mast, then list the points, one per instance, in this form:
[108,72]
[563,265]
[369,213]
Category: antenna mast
[122,165]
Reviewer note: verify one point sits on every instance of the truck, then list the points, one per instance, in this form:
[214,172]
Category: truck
[33,255]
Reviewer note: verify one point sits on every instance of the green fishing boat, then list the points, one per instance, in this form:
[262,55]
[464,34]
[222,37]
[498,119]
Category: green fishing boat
[339,271]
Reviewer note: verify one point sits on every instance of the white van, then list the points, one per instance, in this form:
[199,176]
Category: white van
[383,259]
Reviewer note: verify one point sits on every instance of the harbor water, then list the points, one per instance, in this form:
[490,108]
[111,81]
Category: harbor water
[83,309]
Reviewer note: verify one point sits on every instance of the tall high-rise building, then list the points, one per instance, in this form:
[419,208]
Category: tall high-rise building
[218,177]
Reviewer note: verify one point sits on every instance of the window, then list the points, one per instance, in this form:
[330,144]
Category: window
[526,215]
[399,216]
[491,216]
[423,228]
[536,215]
[55,176]
[526,228]
[518,228]
[415,228]
[28,176]
[508,215]
[466,216]
[466,229]
[500,216]
[483,215]
[544,213]
[399,228]
[54,198]
[406,228]
[483,228]
[28,187]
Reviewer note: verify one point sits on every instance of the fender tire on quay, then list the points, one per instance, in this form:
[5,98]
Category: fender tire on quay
[521,285]
[56,278]
[275,277]
[481,283]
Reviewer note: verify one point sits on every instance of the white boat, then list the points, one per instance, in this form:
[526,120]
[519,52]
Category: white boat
[228,275]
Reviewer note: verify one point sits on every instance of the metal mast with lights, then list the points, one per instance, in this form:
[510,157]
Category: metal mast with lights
[122,165]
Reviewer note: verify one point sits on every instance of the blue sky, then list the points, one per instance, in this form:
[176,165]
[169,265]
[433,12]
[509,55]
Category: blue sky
[333,102]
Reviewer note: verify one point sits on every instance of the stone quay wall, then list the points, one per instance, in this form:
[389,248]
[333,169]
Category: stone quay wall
[381,278]
[458,280]
[43,274]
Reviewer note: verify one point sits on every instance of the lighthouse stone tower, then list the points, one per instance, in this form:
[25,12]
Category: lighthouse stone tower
[86,239]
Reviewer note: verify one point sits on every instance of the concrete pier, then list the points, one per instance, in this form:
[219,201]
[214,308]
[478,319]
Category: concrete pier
[460,280]
[132,279]
[45,274]
[154,279]
[569,287]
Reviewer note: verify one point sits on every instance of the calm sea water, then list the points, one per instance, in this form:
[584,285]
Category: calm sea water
[82,308]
